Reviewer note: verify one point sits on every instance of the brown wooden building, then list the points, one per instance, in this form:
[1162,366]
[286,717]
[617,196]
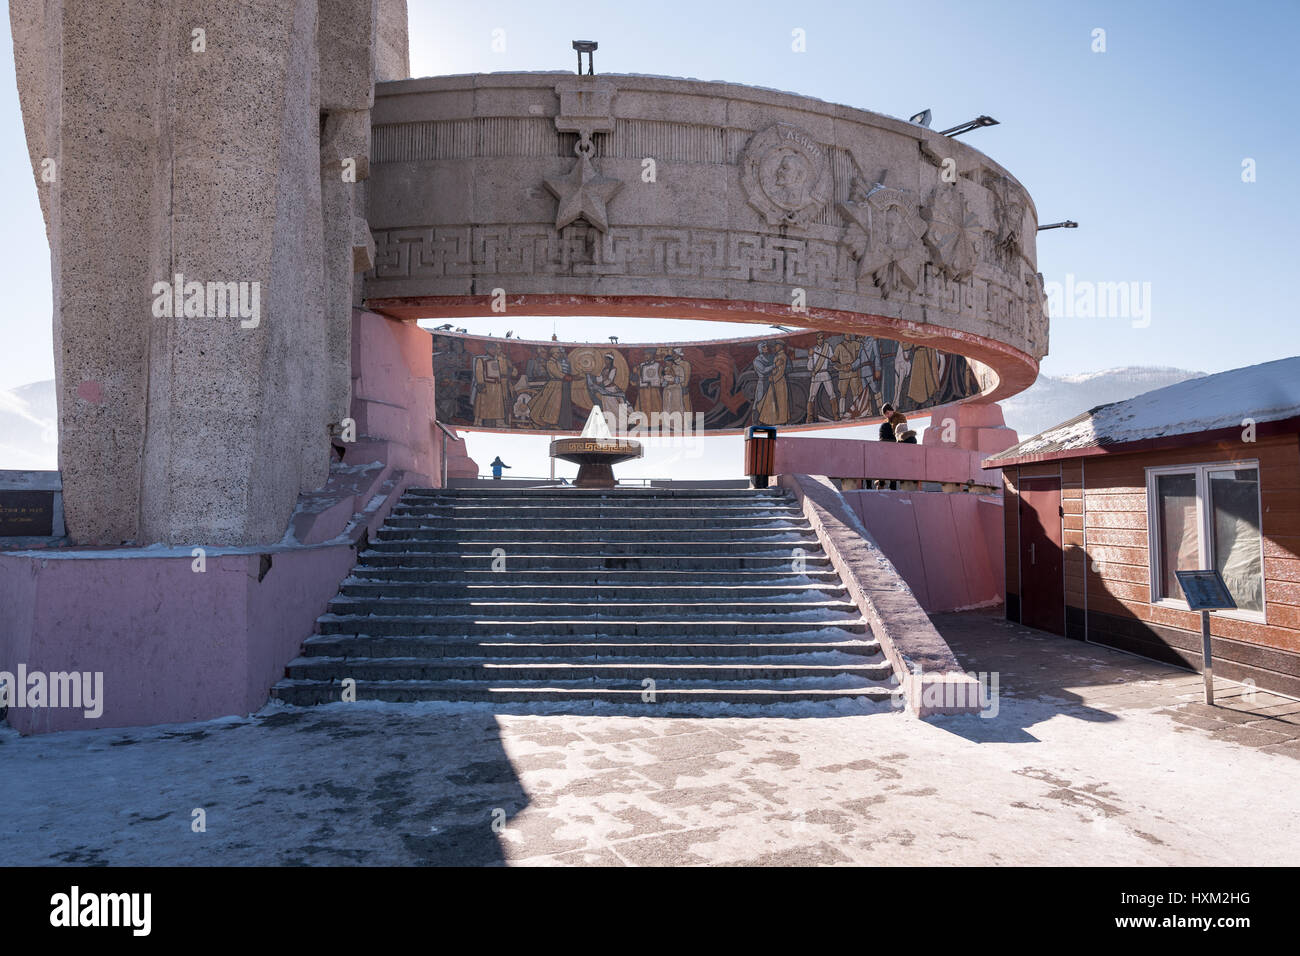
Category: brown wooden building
[1101,510]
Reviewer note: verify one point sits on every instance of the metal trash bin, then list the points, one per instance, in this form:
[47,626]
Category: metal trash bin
[760,454]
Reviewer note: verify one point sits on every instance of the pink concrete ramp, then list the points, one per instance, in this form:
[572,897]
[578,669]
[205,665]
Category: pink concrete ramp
[947,547]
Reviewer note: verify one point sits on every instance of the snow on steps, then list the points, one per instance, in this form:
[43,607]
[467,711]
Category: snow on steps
[697,595]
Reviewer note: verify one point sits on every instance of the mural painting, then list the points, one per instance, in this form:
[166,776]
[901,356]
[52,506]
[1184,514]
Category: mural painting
[805,379]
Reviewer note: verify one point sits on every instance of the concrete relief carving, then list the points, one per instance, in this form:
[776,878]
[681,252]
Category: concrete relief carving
[586,108]
[584,193]
[950,232]
[855,238]
[786,175]
[884,236]
[1009,214]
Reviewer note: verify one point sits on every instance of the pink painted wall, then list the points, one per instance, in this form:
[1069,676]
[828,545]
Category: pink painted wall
[392,392]
[393,399]
[173,644]
[177,645]
[947,547]
[855,458]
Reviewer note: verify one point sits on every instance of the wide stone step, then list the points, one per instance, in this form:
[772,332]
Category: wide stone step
[661,628]
[625,668]
[617,511]
[457,576]
[354,647]
[358,588]
[585,494]
[609,550]
[452,562]
[599,526]
[817,608]
[570,598]
[596,536]
[306,693]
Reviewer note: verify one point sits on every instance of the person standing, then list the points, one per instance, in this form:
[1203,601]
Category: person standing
[497,465]
[891,430]
[889,427]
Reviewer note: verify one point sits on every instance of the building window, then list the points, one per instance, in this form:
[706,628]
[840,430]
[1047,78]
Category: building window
[1207,515]
[1177,530]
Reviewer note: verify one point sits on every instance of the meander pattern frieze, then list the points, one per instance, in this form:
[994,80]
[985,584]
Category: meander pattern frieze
[537,249]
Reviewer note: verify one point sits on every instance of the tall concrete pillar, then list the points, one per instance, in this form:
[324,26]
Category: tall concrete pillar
[184,138]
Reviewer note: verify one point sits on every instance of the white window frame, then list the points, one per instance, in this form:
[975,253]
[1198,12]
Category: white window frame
[1201,470]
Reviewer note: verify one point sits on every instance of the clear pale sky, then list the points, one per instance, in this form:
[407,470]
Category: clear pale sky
[1142,144]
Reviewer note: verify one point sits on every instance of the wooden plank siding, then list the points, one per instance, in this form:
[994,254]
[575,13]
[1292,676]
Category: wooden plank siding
[1074,541]
[1107,559]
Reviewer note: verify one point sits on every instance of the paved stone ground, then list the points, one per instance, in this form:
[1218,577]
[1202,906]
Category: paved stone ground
[1094,757]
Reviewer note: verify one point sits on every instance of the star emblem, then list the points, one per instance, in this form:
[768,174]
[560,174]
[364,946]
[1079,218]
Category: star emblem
[950,233]
[583,195]
[884,236]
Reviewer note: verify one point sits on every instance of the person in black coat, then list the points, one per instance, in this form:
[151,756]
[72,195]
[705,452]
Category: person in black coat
[886,429]
[889,427]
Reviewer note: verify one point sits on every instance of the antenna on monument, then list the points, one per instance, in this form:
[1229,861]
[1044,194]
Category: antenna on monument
[588,47]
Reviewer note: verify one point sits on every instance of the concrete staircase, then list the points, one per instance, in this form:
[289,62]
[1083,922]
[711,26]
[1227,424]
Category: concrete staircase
[598,594]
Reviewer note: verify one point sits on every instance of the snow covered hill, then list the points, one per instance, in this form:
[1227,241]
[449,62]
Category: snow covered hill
[1052,400]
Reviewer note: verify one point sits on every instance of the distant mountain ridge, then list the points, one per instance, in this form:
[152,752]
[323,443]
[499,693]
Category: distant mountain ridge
[1055,399]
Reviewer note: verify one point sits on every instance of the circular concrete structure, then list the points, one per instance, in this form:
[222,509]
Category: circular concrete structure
[555,194]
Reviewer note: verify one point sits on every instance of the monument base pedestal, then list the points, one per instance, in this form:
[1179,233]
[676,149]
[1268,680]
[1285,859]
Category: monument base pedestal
[595,474]
[595,457]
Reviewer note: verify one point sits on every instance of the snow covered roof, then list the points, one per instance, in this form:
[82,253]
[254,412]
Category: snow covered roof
[1269,392]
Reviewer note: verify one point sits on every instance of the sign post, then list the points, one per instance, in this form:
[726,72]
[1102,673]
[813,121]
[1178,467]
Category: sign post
[1206,592]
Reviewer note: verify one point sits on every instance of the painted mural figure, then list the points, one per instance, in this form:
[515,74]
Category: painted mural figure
[868,366]
[888,353]
[676,380]
[800,379]
[819,368]
[684,373]
[603,388]
[553,406]
[535,370]
[762,368]
[956,379]
[649,384]
[775,407]
[902,366]
[847,385]
[924,380]
[490,395]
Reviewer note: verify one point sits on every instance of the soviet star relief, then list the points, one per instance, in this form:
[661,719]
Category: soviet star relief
[586,108]
[584,192]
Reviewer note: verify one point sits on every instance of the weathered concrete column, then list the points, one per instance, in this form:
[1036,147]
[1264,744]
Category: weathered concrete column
[178,143]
